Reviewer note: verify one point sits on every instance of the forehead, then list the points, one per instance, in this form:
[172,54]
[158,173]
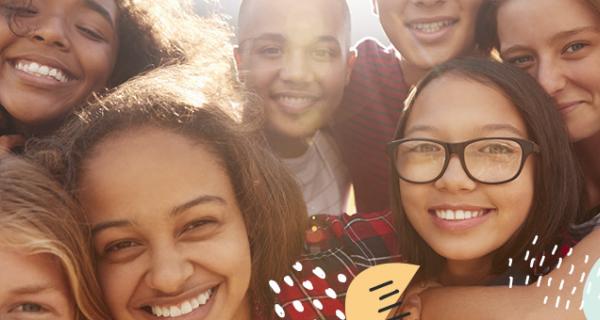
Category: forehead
[457,103]
[149,170]
[296,20]
[29,271]
[550,17]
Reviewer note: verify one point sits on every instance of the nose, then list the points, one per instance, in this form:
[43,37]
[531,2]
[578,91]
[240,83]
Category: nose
[296,69]
[455,179]
[169,270]
[52,32]
[551,77]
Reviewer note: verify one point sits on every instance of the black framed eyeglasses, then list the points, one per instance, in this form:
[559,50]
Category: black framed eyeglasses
[492,160]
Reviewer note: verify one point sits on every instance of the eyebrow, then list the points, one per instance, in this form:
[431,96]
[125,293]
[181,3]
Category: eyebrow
[174,212]
[503,127]
[95,6]
[277,37]
[488,127]
[420,128]
[195,202]
[32,289]
[568,33]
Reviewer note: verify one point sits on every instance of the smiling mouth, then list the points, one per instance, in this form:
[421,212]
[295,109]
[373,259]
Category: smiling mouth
[180,309]
[459,215]
[294,104]
[42,71]
[432,27]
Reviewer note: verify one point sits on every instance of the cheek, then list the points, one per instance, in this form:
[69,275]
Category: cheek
[98,65]
[517,197]
[117,283]
[412,198]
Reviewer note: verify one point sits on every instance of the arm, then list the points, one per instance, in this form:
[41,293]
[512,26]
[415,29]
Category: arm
[521,302]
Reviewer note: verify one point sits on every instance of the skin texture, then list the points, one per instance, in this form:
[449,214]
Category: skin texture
[70,35]
[422,50]
[174,227]
[33,287]
[441,112]
[562,54]
[295,56]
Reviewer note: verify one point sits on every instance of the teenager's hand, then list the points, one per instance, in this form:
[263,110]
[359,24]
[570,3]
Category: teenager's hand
[9,142]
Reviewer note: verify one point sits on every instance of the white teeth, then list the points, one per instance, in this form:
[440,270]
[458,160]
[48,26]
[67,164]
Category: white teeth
[432,26]
[295,102]
[458,214]
[183,308]
[38,70]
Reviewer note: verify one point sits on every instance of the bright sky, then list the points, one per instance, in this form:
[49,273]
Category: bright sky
[364,22]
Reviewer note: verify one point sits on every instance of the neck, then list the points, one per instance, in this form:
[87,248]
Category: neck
[466,272]
[412,73]
[244,312]
[287,147]
[587,151]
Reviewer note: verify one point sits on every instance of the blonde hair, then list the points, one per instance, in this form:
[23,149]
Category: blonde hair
[38,217]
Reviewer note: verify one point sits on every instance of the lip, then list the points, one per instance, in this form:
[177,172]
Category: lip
[294,103]
[422,35]
[460,225]
[197,314]
[567,107]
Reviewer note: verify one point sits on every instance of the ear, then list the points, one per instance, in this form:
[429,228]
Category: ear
[374,7]
[237,56]
[350,60]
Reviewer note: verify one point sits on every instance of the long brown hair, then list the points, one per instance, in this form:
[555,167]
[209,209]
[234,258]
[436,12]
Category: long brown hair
[187,101]
[558,185]
[38,217]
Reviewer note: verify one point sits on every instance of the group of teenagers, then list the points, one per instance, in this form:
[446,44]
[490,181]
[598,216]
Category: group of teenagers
[149,169]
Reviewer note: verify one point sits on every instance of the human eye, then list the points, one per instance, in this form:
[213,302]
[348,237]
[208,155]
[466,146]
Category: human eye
[574,47]
[270,51]
[91,34]
[322,53]
[497,148]
[197,225]
[425,147]
[30,307]
[119,246]
[20,9]
[522,61]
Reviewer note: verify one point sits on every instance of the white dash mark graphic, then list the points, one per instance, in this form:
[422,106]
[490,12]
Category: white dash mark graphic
[571,270]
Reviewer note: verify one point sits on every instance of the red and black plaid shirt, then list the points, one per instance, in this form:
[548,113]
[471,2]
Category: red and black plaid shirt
[366,120]
[339,248]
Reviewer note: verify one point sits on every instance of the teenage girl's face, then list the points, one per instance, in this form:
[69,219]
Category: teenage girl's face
[33,287]
[562,52]
[454,109]
[67,51]
[429,32]
[169,234]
